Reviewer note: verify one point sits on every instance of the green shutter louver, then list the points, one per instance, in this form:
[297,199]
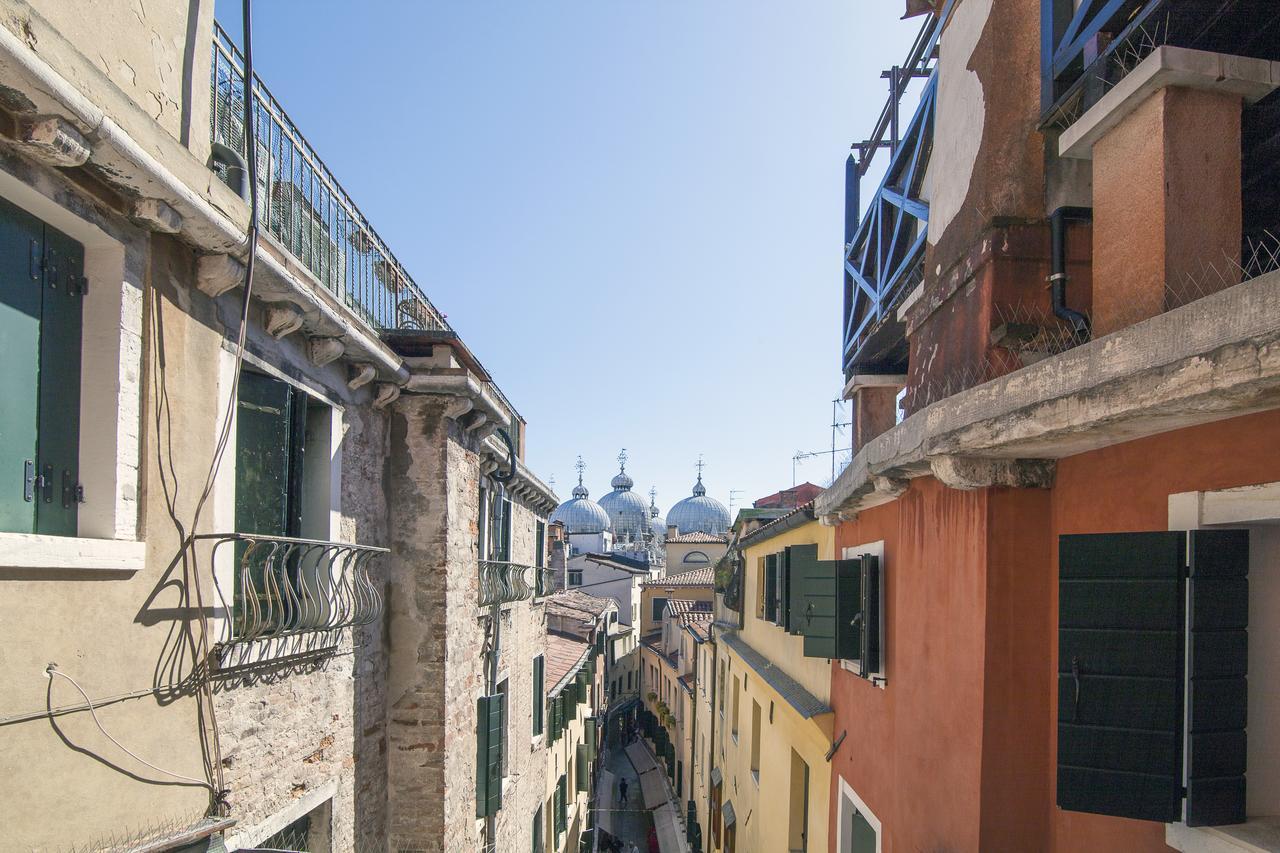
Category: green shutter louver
[590,734]
[560,797]
[580,761]
[42,289]
[771,588]
[1134,609]
[868,621]
[490,712]
[539,693]
[784,587]
[800,562]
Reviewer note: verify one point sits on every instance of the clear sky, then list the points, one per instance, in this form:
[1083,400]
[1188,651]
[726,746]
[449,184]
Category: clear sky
[631,210]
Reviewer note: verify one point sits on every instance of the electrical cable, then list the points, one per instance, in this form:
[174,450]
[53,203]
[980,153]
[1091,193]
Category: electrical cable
[53,670]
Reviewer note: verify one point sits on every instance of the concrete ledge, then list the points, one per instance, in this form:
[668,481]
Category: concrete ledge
[1251,79]
[32,551]
[1216,358]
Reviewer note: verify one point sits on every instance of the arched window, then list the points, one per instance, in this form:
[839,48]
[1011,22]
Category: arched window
[696,557]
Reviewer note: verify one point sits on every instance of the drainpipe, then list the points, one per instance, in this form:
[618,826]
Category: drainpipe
[1058,279]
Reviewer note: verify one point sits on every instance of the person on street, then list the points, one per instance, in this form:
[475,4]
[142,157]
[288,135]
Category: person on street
[622,792]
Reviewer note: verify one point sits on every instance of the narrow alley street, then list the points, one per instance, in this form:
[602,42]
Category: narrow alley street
[629,822]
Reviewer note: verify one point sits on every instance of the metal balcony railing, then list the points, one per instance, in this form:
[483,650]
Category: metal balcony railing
[502,582]
[302,205]
[284,586]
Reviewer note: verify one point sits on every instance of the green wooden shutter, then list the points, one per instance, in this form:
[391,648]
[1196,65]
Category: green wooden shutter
[784,589]
[61,324]
[21,294]
[590,737]
[868,620]
[1218,659]
[771,588]
[832,600]
[801,562]
[490,713]
[580,767]
[539,693]
[1124,633]
[562,790]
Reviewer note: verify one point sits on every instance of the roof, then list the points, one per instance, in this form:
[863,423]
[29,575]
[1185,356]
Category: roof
[688,612]
[805,703]
[686,681]
[697,537]
[700,628]
[703,576]
[572,602]
[790,498]
[564,656]
[797,517]
[619,562]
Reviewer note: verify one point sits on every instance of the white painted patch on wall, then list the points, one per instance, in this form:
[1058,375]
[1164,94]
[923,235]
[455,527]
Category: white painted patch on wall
[961,116]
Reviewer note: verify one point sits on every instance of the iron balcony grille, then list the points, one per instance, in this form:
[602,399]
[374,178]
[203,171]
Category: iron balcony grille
[284,586]
[305,209]
[502,582]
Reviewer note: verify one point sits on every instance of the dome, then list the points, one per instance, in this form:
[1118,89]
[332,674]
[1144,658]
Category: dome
[627,511]
[581,514]
[699,513]
[656,521]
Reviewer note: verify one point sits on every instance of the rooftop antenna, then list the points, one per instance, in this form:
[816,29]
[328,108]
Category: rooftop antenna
[733,498]
[836,426]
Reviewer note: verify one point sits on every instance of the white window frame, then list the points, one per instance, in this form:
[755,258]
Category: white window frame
[848,796]
[110,402]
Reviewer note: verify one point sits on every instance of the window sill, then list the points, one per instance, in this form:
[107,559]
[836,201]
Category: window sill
[47,553]
[1256,835]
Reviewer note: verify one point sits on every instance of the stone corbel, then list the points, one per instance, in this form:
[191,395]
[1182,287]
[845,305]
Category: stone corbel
[216,274]
[458,407]
[385,393]
[157,215]
[283,320]
[969,473]
[891,487]
[323,351]
[478,419]
[54,141]
[360,375]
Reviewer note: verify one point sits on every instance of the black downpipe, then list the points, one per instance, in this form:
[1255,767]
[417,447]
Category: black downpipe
[1058,279]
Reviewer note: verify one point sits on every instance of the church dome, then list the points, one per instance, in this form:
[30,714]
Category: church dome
[699,513]
[581,514]
[656,521]
[627,511]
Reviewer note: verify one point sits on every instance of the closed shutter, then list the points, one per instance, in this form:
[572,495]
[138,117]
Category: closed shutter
[489,734]
[561,795]
[41,318]
[771,588]
[1122,644]
[590,737]
[580,767]
[832,601]
[801,562]
[784,588]
[539,693]
[868,620]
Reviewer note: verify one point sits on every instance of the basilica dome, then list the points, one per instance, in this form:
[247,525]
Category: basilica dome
[581,514]
[699,513]
[627,512]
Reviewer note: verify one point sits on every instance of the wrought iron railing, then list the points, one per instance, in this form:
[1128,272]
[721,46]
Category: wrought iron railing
[884,250]
[502,582]
[302,205]
[284,586]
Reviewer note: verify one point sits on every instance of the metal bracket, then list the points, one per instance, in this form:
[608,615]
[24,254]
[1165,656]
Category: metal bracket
[29,480]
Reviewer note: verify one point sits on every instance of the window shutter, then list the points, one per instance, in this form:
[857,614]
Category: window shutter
[482,532]
[561,792]
[589,737]
[1218,658]
[580,767]
[539,693]
[1120,660]
[771,588]
[489,735]
[21,292]
[61,323]
[801,562]
[784,588]
[831,602]
[869,624]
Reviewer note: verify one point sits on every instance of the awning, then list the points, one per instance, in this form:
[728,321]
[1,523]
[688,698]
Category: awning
[729,817]
[717,778]
[605,789]
[666,825]
[653,788]
[640,758]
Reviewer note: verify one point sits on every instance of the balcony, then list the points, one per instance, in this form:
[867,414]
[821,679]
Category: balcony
[285,587]
[502,582]
[304,209]
[884,251]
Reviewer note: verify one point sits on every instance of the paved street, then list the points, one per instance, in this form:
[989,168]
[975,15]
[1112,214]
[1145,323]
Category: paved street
[631,822]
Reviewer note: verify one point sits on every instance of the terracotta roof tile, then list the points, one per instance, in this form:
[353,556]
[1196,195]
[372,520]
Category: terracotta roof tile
[697,537]
[704,576]
[563,655]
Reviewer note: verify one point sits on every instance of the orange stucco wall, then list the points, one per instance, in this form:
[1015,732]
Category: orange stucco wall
[957,752]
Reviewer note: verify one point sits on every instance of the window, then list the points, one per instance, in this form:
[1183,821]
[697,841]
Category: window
[858,830]
[562,789]
[575,577]
[755,740]
[798,830]
[696,558]
[837,607]
[41,320]
[761,562]
[1126,708]
[659,607]
[717,793]
[539,846]
[734,730]
[490,748]
[539,557]
[539,693]
[628,681]
[721,688]
[771,588]
[495,530]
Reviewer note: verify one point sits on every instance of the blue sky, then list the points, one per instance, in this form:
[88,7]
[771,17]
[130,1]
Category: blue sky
[631,211]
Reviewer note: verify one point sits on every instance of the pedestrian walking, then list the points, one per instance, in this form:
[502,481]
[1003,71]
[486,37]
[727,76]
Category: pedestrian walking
[622,792]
